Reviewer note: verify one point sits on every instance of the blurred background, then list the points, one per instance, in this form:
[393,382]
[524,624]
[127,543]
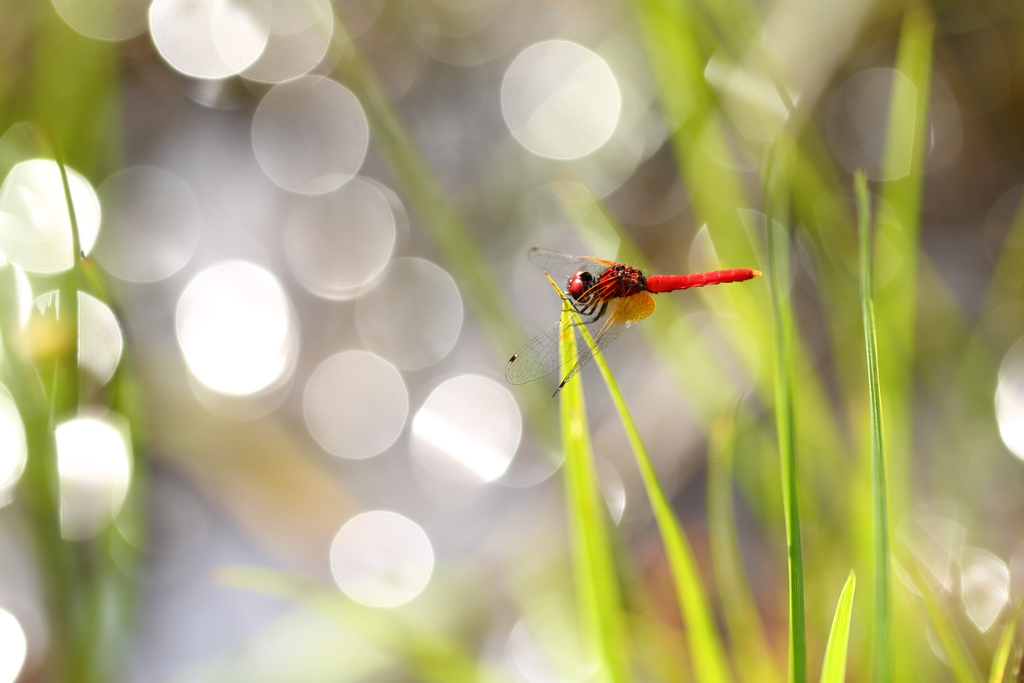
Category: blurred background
[278,443]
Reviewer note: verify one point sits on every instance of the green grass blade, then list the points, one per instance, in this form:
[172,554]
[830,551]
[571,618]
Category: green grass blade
[680,45]
[1007,275]
[907,140]
[833,670]
[964,668]
[1002,655]
[882,560]
[441,220]
[751,650]
[430,655]
[956,654]
[427,198]
[596,581]
[785,419]
[706,649]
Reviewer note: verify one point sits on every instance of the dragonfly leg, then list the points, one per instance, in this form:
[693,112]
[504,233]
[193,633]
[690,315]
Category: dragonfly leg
[591,310]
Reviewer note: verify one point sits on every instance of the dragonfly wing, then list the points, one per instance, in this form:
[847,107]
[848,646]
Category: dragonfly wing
[541,356]
[626,311]
[536,359]
[566,265]
[633,308]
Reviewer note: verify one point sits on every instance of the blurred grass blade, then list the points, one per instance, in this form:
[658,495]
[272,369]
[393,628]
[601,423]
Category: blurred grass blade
[785,420]
[1002,655]
[673,40]
[964,668]
[1007,276]
[882,559]
[907,141]
[596,580]
[706,648]
[428,654]
[428,199]
[954,650]
[751,650]
[445,227]
[66,391]
[833,669]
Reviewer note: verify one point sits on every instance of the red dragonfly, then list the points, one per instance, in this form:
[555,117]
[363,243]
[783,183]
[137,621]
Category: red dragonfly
[609,297]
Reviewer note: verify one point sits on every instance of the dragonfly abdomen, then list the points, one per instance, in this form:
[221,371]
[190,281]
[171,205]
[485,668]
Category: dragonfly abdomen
[670,283]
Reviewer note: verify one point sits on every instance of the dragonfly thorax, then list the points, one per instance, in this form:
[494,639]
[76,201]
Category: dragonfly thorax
[616,281]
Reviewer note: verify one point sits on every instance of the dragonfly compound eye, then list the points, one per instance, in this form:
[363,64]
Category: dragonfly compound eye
[579,283]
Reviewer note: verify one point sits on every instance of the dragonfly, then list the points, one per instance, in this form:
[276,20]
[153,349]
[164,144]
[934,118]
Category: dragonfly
[609,297]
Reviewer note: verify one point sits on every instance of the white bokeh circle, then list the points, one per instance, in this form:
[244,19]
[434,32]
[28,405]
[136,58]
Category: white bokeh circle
[560,100]
[13,447]
[209,38]
[151,224]
[300,32]
[412,316]
[235,329]
[13,647]
[310,135]
[338,241]
[468,428]
[355,404]
[94,465]
[382,559]
[35,228]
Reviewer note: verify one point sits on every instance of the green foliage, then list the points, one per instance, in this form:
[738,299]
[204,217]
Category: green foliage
[706,648]
[819,461]
[89,601]
[596,580]
[883,557]
[420,648]
[834,668]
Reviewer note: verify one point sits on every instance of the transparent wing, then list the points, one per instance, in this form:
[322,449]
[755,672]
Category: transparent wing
[556,263]
[537,359]
[541,356]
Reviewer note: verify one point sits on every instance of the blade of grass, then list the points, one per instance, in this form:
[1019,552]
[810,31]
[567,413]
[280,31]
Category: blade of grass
[1007,275]
[596,581]
[38,488]
[907,140]
[1002,655]
[673,40]
[785,419]
[67,305]
[752,653]
[833,669]
[84,592]
[882,560]
[439,216]
[84,118]
[964,668]
[427,198]
[423,650]
[957,656]
[706,648]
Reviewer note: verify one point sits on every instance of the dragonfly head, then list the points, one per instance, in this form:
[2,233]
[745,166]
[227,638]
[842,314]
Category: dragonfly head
[579,284]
